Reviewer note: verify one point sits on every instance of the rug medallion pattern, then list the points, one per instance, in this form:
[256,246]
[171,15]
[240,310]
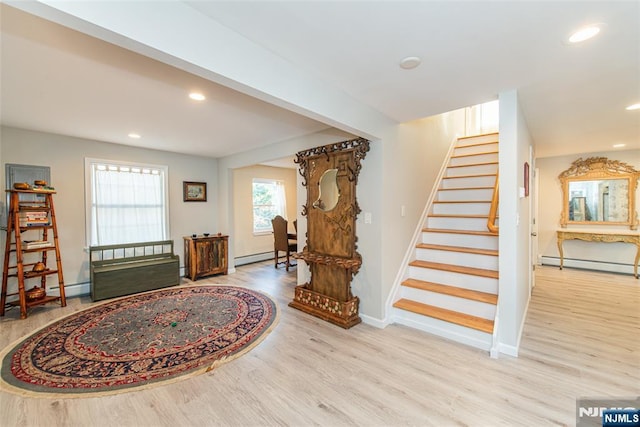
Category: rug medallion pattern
[139,340]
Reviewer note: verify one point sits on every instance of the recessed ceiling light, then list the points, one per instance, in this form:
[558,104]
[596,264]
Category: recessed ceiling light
[585,33]
[618,145]
[196,96]
[410,62]
[134,135]
[633,107]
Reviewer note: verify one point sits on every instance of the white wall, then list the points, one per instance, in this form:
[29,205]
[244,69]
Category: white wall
[605,256]
[245,242]
[65,156]
[514,220]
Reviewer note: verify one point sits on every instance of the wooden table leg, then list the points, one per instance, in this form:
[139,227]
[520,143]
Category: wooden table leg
[561,252]
[635,263]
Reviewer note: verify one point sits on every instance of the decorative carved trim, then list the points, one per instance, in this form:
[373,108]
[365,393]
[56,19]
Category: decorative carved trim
[344,314]
[604,237]
[346,263]
[339,221]
[359,145]
[597,167]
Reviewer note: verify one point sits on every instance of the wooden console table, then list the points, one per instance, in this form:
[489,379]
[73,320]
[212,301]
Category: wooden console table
[605,237]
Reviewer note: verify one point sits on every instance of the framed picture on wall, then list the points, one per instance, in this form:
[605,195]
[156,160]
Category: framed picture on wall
[194,191]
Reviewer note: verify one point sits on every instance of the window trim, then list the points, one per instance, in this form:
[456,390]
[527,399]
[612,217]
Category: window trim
[88,185]
[263,181]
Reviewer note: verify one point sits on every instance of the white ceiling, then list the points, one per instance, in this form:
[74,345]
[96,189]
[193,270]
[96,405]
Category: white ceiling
[573,97]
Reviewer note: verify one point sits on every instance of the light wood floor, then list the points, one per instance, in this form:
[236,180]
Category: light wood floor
[580,340]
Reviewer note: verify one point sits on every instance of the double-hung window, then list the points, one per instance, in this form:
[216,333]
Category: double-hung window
[126,202]
[268,201]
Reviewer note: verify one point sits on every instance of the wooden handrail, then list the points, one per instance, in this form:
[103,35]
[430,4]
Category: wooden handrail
[493,211]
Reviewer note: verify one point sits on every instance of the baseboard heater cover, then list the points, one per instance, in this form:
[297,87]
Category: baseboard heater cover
[611,267]
[249,259]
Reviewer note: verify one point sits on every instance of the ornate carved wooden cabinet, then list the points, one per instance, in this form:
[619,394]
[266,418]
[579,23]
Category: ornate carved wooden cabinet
[205,255]
[330,174]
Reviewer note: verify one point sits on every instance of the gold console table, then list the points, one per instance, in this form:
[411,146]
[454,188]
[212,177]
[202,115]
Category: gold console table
[605,237]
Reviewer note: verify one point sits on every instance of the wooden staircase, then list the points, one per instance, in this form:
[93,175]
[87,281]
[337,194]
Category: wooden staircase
[451,286]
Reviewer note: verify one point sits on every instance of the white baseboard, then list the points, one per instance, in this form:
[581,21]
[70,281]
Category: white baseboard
[509,350]
[610,267]
[372,321]
[75,290]
[445,332]
[252,258]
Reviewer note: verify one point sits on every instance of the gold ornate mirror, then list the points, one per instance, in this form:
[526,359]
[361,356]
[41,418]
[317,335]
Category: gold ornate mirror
[599,191]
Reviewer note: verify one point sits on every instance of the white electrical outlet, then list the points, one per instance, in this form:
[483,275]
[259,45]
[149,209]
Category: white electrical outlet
[367,217]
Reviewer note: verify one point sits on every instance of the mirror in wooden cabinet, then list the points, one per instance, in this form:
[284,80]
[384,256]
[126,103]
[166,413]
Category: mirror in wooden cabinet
[328,191]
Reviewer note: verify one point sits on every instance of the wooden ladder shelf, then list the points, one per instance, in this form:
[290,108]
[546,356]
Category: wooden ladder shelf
[26,218]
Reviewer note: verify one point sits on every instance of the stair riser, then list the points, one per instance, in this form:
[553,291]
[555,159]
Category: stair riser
[475,149]
[469,160]
[476,181]
[462,208]
[484,194]
[461,334]
[477,140]
[471,224]
[461,305]
[487,262]
[476,283]
[466,240]
[472,170]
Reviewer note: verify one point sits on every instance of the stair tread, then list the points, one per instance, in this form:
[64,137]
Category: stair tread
[462,201]
[465,188]
[472,164]
[478,136]
[459,156]
[446,230]
[452,290]
[477,144]
[492,274]
[475,216]
[480,175]
[462,319]
[463,249]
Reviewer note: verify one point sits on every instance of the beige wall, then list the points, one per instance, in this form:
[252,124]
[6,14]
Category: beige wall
[227,166]
[550,206]
[411,158]
[65,156]
[245,242]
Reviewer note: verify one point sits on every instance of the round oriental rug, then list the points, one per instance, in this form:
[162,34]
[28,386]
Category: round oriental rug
[138,341]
